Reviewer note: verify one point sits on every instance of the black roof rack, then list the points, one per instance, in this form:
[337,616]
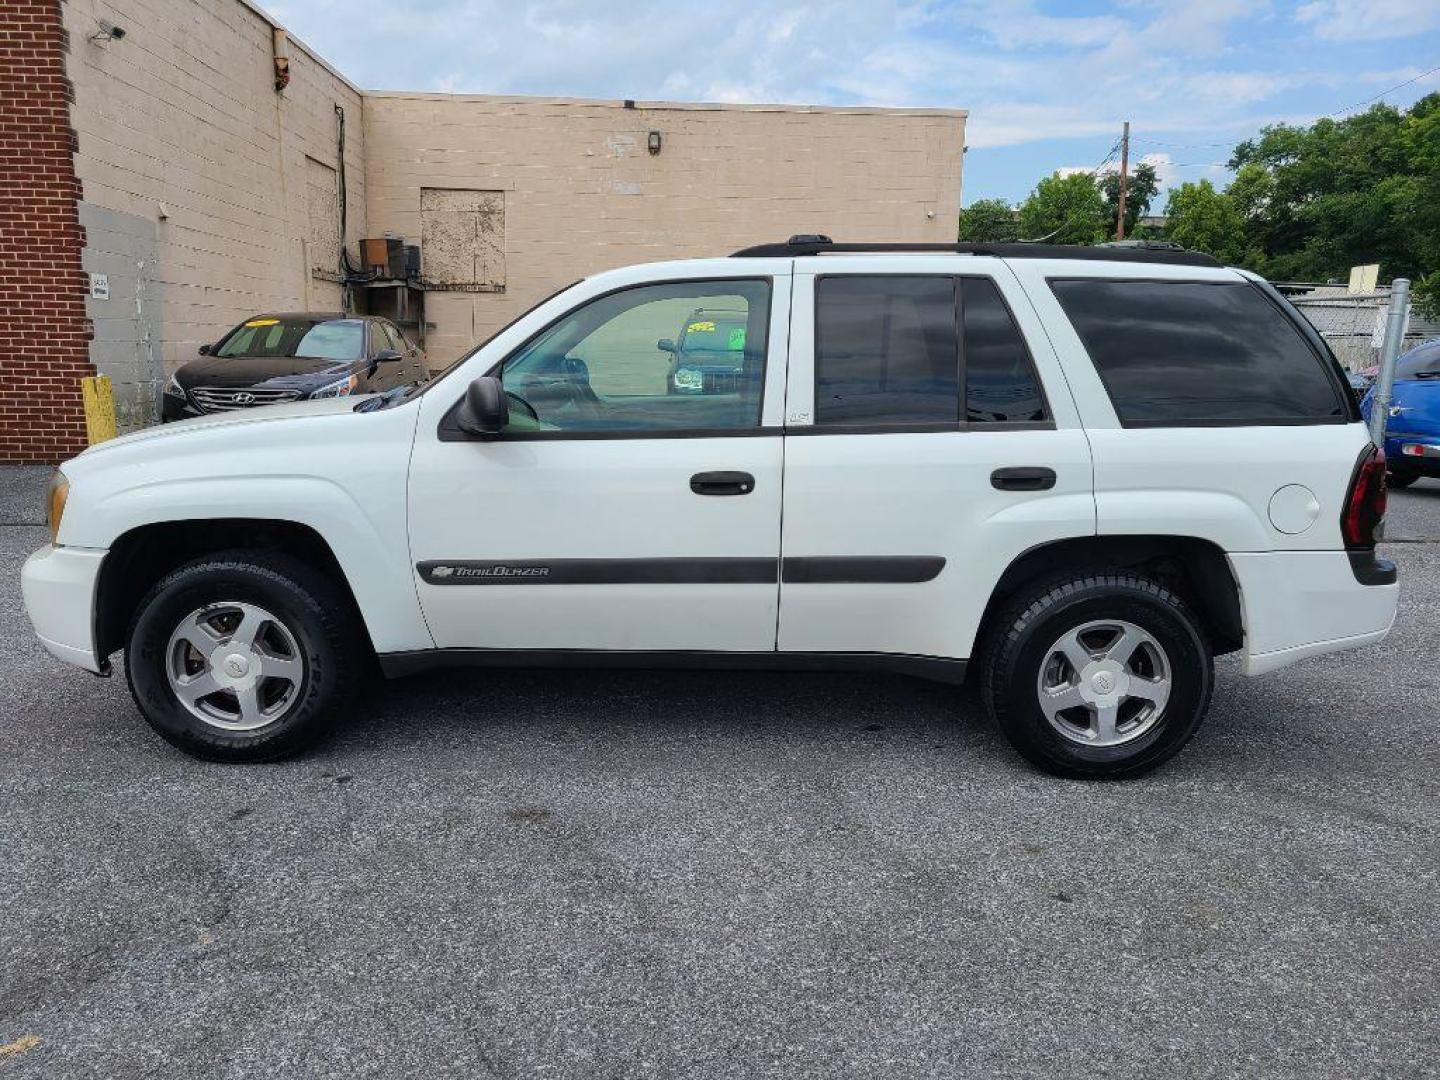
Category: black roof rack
[823,245]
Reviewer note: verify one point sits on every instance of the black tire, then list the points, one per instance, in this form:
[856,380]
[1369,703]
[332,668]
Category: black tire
[1020,644]
[313,608]
[1402,479]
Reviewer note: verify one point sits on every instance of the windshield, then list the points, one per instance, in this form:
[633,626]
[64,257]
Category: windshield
[714,331]
[1420,363]
[331,339]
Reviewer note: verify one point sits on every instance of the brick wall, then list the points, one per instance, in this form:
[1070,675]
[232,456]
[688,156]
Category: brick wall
[44,335]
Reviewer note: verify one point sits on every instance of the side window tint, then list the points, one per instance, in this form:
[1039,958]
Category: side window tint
[886,351]
[1177,352]
[679,356]
[1000,382]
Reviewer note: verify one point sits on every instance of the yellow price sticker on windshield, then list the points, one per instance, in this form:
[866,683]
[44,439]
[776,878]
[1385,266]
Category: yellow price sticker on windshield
[701,327]
[263,322]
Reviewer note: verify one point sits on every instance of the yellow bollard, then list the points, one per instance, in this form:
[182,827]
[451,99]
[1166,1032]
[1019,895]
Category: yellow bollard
[99,408]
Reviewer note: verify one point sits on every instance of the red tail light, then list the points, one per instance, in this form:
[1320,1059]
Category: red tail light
[1365,502]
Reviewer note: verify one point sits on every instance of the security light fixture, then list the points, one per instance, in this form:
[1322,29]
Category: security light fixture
[107,32]
[653,143]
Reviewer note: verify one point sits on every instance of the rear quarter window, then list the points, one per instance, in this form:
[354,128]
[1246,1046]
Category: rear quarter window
[1175,353]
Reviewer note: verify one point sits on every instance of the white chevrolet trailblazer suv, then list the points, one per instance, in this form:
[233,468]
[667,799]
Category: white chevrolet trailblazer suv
[1073,475]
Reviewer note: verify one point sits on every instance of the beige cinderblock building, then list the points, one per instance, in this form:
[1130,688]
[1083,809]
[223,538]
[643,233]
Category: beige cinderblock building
[212,187]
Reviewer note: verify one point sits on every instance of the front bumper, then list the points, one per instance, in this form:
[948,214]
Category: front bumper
[1299,604]
[58,584]
[173,408]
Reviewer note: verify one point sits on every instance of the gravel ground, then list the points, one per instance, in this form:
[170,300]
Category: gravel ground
[724,875]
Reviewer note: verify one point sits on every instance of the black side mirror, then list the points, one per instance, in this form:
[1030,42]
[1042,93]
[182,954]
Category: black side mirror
[485,410]
[666,345]
[205,350]
[388,355]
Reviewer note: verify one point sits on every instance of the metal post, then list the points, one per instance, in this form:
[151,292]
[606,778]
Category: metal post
[1385,378]
[1124,180]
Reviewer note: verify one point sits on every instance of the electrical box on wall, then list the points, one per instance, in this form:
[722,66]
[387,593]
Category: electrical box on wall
[385,254]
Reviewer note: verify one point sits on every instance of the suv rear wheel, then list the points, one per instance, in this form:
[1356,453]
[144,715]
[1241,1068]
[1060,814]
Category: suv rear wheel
[1097,677]
[243,656]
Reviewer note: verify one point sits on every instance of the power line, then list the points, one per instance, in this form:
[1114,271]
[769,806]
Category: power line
[1115,146]
[1377,97]
[1337,112]
[1187,146]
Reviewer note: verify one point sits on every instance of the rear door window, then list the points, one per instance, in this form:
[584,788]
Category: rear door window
[886,351]
[1000,382]
[891,351]
[1174,353]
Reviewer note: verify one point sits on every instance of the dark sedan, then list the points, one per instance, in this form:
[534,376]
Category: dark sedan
[291,357]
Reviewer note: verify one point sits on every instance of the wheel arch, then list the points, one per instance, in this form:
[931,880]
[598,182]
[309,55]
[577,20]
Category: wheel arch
[142,556]
[1195,569]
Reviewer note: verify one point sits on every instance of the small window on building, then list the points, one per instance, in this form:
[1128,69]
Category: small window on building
[1000,382]
[1177,352]
[886,351]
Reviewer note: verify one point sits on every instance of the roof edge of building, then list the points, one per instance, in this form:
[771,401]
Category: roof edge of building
[661,106]
[303,47]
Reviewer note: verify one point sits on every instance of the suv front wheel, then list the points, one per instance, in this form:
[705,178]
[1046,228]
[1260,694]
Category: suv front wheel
[1098,677]
[243,656]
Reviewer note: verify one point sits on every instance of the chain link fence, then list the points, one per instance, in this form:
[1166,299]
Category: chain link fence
[1348,321]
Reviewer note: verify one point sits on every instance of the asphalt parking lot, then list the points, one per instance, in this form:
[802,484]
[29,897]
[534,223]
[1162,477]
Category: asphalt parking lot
[720,874]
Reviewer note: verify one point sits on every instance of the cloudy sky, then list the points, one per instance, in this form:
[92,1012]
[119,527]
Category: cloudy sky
[1047,84]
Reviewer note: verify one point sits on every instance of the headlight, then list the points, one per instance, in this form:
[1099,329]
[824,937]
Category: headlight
[55,503]
[689,379]
[339,388]
[174,389]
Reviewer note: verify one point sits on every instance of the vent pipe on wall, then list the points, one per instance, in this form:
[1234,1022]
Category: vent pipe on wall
[281,42]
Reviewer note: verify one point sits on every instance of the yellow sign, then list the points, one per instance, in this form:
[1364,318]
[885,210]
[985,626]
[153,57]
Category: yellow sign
[1363,279]
[99,408]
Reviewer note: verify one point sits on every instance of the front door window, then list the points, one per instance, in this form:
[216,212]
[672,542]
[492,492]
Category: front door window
[678,356]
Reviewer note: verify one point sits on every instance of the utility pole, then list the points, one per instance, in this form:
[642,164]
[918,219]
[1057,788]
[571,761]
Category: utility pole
[1124,180]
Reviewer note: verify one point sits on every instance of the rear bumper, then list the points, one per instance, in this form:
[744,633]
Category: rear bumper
[1413,454]
[58,584]
[1299,604]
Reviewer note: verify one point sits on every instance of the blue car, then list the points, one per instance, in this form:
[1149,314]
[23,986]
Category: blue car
[1412,432]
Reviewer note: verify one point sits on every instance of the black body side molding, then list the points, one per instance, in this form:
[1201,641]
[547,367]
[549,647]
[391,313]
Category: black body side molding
[934,668]
[860,569]
[820,569]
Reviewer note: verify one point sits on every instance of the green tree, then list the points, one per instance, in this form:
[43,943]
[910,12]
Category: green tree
[988,221]
[1204,219]
[1064,210]
[1140,192]
[1320,199]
